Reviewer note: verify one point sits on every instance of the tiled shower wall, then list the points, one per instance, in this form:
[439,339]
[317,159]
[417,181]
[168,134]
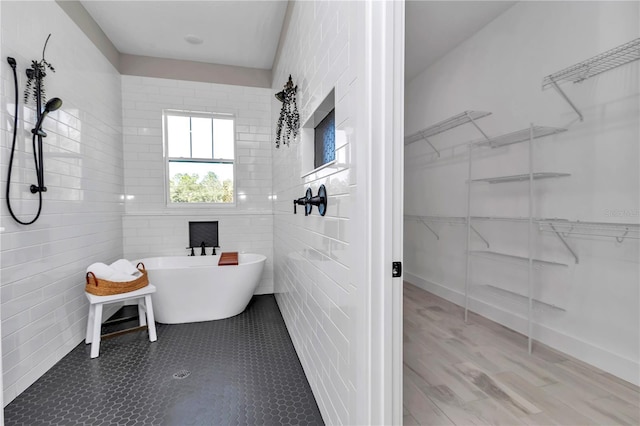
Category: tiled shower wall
[150,227]
[314,281]
[43,304]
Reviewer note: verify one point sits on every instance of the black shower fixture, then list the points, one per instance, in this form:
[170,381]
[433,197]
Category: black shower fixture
[35,88]
[38,133]
[308,201]
[303,201]
[320,200]
[52,105]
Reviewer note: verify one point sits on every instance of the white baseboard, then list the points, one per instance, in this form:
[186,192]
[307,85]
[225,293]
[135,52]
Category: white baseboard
[610,362]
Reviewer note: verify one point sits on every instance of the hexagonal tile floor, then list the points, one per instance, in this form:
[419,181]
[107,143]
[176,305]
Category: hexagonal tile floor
[243,371]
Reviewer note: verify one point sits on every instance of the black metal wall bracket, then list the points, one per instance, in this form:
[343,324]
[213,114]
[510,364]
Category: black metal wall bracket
[35,189]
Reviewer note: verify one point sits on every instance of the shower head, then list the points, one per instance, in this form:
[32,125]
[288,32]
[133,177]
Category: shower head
[52,105]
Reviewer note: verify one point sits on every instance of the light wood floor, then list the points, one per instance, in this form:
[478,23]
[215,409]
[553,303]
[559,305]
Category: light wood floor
[481,373]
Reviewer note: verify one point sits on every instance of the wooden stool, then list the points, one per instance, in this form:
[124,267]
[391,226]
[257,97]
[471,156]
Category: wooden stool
[94,321]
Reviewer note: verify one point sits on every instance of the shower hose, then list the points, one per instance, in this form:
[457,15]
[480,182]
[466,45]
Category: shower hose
[12,62]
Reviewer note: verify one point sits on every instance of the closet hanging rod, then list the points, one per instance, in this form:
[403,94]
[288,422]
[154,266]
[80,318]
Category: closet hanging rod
[495,254]
[447,219]
[591,225]
[521,178]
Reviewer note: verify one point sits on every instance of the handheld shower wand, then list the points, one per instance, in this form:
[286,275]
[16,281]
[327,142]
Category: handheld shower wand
[38,133]
[52,105]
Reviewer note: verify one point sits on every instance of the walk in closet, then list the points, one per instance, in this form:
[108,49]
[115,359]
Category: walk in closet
[522,189]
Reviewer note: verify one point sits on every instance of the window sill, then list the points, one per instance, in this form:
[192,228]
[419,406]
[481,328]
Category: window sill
[317,169]
[208,206]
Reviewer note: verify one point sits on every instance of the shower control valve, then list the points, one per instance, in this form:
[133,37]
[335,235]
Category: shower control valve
[299,202]
[303,201]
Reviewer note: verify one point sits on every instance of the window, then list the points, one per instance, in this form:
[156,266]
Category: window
[200,152]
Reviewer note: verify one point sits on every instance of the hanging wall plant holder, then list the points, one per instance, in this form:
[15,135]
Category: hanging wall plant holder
[289,121]
[35,78]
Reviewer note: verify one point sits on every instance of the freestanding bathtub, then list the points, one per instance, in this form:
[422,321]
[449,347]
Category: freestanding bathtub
[195,288]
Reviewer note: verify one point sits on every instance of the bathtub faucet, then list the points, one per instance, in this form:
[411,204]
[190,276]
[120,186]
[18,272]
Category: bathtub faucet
[202,251]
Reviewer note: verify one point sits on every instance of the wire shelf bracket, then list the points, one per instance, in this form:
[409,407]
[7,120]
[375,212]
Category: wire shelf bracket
[421,220]
[591,67]
[565,243]
[480,235]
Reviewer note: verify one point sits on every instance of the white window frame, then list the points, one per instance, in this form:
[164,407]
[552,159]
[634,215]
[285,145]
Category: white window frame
[167,159]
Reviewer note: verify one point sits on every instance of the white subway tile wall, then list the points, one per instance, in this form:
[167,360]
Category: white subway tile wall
[43,307]
[150,227]
[313,278]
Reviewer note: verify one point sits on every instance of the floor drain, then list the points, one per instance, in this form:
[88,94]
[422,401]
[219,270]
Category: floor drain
[182,374]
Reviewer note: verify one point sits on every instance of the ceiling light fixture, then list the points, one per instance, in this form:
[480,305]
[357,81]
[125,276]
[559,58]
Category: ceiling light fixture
[193,39]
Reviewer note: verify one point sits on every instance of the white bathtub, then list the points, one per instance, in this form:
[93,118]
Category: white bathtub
[195,288]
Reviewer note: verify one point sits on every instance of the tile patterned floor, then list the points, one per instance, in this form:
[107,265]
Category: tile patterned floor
[243,371]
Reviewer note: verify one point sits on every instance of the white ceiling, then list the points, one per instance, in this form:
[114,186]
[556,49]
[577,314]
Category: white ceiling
[434,28]
[240,33]
[246,33]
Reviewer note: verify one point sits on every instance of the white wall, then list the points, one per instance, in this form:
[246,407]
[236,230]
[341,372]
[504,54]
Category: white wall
[150,228]
[43,304]
[316,281]
[2,119]
[500,69]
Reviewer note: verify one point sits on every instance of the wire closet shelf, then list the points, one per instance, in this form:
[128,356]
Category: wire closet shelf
[565,227]
[519,136]
[598,64]
[444,125]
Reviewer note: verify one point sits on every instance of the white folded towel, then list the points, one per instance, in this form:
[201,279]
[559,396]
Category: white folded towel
[120,277]
[126,267]
[100,270]
[105,272]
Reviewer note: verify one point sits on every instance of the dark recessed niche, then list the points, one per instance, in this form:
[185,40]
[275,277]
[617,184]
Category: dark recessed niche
[325,140]
[318,136]
[206,232]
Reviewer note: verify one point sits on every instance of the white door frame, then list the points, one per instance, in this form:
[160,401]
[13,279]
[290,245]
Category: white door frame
[385,78]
